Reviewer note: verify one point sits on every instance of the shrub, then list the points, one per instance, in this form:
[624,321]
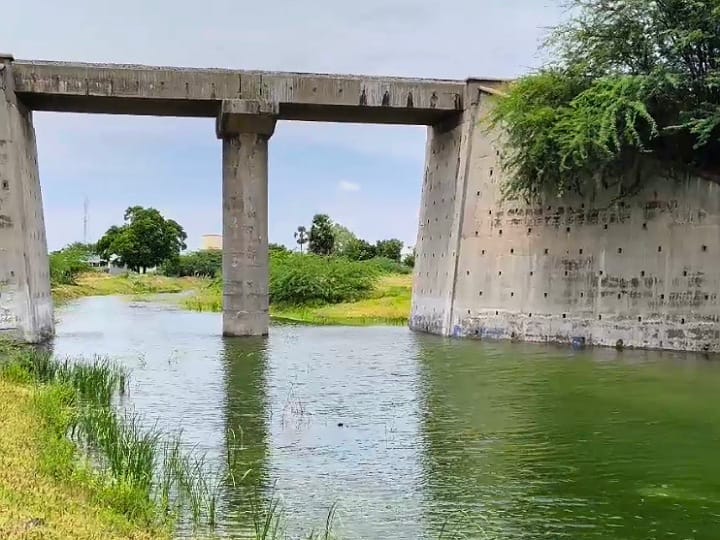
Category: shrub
[205,263]
[310,279]
[67,263]
[382,265]
[636,85]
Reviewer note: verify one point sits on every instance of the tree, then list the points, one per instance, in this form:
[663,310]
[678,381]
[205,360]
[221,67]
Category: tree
[343,236]
[322,239]
[635,84]
[409,259]
[301,236]
[146,239]
[390,249]
[359,250]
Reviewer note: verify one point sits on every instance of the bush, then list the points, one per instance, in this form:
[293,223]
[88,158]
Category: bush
[636,86]
[381,265]
[297,279]
[205,263]
[67,264]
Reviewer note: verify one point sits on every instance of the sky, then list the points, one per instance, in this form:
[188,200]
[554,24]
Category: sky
[365,177]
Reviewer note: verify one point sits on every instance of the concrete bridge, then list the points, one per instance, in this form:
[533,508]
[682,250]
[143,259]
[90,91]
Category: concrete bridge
[634,271]
[246,104]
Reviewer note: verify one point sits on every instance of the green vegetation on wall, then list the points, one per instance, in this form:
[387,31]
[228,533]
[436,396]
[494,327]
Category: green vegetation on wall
[635,84]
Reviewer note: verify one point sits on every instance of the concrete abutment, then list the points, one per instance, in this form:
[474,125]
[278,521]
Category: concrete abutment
[26,309]
[635,271]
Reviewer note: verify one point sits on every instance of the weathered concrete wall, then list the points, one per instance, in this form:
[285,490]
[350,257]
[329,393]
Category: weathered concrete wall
[447,156]
[25,301]
[245,128]
[639,272]
[132,89]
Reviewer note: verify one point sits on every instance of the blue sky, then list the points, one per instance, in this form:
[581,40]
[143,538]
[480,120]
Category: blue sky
[366,177]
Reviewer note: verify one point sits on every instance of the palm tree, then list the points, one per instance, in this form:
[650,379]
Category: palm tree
[301,236]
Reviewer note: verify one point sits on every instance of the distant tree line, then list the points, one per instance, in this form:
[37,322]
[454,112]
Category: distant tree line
[329,238]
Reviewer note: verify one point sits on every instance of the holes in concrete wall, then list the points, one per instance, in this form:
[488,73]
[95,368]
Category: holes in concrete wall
[582,295]
[468,312]
[547,251]
[500,232]
[482,252]
[500,273]
[704,248]
[659,249]
[662,297]
[599,317]
[512,250]
[619,251]
[684,273]
[529,314]
[545,295]
[642,273]
[639,319]
[480,293]
[532,273]
[512,294]
[567,229]
[566,272]
[477,233]
[605,226]
[497,313]
[580,251]
[619,296]
[707,297]
[645,226]
[529,230]
[491,172]
[489,212]
[5,185]
[564,315]
[478,193]
[682,321]
[600,273]
[468,272]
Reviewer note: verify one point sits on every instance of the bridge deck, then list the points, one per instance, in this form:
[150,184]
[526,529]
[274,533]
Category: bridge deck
[170,91]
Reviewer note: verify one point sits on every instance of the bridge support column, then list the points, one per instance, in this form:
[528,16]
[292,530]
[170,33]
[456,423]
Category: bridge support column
[26,309]
[245,126]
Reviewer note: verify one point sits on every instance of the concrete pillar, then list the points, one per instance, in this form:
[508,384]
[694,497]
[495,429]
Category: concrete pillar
[26,309]
[245,126]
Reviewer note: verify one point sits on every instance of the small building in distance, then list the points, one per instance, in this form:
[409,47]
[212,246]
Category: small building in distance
[212,241]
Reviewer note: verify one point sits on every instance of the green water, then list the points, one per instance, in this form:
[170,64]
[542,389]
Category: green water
[438,437]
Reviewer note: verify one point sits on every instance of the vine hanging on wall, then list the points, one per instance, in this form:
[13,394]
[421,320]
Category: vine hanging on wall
[635,84]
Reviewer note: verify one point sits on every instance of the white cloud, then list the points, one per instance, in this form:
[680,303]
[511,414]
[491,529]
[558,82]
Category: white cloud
[344,185]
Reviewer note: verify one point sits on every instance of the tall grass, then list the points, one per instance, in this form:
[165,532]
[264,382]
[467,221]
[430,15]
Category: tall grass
[143,473]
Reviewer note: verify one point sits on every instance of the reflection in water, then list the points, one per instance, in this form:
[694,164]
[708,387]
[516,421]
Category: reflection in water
[412,435]
[247,417]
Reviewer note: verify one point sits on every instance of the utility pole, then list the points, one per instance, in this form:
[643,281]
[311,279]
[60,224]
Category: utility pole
[86,204]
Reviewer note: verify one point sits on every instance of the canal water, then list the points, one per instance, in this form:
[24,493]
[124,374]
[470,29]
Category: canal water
[413,436]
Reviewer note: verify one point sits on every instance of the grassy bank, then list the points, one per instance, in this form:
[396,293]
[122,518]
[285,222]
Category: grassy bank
[46,491]
[100,284]
[387,302]
[303,288]
[73,466]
